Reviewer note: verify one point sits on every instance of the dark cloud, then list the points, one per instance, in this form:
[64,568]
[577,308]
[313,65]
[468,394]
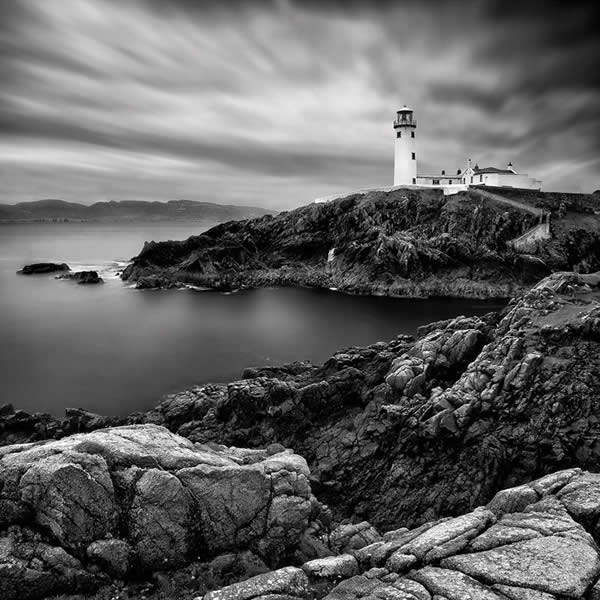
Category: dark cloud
[277,102]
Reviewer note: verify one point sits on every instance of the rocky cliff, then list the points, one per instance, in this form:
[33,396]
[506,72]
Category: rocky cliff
[403,242]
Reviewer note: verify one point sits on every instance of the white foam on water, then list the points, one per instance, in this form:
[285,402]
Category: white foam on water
[196,288]
[105,269]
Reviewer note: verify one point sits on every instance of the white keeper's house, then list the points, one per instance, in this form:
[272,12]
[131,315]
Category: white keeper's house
[405,165]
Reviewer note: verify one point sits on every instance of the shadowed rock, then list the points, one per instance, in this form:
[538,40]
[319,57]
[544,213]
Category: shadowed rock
[41,268]
[83,277]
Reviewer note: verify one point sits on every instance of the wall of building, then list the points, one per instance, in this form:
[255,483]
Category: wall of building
[405,167]
[439,180]
[505,180]
[445,186]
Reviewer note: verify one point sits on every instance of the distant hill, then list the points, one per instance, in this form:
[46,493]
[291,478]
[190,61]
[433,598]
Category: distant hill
[127,210]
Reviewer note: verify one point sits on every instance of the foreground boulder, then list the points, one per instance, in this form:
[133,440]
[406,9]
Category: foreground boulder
[541,551]
[130,500]
[40,268]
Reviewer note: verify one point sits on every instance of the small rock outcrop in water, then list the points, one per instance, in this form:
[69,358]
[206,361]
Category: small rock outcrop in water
[83,277]
[40,268]
[132,500]
[403,243]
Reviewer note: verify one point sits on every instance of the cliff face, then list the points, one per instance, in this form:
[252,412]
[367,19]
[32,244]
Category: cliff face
[404,242]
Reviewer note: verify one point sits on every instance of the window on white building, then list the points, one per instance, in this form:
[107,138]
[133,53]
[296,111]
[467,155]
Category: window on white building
[412,134]
[436,182]
[414,156]
[398,134]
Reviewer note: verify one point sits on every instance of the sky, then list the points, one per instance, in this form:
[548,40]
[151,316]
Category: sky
[276,103]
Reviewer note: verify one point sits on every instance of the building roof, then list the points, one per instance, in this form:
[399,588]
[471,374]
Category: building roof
[493,170]
[440,176]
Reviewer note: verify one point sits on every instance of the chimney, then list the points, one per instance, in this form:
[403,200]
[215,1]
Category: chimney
[510,167]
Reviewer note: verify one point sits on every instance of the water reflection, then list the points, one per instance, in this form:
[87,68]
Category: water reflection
[114,350]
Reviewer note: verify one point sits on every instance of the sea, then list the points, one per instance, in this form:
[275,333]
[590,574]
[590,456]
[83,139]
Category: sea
[113,350]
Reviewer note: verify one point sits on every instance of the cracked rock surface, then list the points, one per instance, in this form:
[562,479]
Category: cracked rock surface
[542,551]
[128,500]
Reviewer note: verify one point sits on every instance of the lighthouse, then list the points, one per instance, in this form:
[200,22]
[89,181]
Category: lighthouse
[405,154]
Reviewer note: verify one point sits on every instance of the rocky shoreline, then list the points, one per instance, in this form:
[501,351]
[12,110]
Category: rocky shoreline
[406,243]
[413,434]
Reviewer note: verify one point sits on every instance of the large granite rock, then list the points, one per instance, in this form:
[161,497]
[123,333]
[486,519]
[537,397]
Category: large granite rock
[139,498]
[70,494]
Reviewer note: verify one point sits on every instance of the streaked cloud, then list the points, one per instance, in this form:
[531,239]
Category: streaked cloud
[276,103]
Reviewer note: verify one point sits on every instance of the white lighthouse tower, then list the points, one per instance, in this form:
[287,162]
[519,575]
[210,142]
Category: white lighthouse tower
[405,155]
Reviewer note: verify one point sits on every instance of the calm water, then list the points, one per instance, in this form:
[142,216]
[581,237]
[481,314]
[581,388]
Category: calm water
[113,349]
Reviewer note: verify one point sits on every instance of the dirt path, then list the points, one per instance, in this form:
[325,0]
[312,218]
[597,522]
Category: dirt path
[534,211]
